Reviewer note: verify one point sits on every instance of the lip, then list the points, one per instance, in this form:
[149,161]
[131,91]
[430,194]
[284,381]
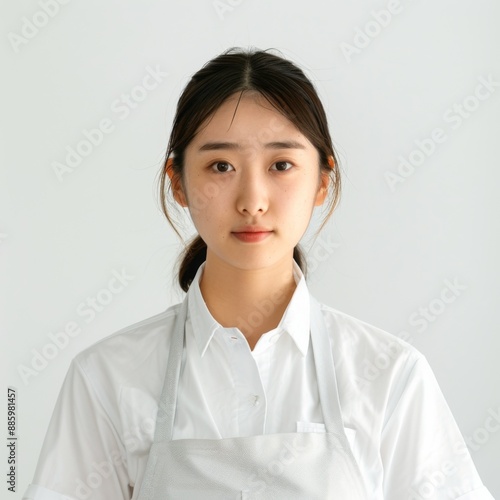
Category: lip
[251,236]
[252,229]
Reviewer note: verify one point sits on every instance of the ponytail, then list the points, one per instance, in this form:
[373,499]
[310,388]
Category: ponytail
[196,253]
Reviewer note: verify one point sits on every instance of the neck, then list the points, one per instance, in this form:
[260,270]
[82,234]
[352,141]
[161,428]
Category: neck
[252,300]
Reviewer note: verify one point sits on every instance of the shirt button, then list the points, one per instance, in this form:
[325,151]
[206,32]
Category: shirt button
[256,399]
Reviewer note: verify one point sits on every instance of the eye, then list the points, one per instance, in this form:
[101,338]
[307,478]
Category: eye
[220,167]
[281,165]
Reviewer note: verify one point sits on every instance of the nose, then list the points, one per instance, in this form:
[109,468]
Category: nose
[252,192]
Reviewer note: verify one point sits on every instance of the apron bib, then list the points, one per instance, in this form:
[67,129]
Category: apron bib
[288,466]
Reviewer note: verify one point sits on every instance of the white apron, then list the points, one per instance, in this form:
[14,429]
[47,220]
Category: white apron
[288,466]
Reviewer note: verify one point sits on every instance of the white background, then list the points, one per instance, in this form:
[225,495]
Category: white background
[385,253]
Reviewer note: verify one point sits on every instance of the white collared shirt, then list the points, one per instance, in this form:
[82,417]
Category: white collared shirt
[237,386]
[400,428]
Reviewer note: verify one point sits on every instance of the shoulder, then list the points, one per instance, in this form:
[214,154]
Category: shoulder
[134,343]
[374,368]
[132,357]
[363,339]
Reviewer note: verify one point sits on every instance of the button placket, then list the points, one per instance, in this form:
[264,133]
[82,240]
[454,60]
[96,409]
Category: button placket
[249,391]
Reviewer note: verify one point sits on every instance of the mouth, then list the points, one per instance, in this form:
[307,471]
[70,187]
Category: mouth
[252,236]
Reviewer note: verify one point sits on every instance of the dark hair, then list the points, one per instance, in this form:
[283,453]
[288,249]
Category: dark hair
[286,88]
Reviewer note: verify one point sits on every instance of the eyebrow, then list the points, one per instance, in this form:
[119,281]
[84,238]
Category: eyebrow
[214,146]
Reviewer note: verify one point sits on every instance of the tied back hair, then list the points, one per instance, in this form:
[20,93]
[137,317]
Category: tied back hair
[237,70]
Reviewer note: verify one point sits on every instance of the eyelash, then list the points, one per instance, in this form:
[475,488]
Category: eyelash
[226,162]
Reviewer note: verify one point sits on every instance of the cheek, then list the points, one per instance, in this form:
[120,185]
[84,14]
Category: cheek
[201,193]
[297,209]
[208,211]
[202,200]
[296,199]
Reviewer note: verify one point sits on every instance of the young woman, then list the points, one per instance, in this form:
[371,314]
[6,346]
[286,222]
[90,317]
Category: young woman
[251,388]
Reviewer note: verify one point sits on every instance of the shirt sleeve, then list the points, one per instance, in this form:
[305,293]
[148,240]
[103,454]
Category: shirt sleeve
[423,452]
[82,455]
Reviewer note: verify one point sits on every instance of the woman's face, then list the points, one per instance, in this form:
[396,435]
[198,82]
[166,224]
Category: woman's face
[251,168]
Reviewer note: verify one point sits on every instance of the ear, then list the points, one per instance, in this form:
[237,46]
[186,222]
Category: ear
[176,184]
[325,182]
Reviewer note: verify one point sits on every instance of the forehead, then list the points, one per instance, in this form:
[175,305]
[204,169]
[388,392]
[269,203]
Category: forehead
[248,118]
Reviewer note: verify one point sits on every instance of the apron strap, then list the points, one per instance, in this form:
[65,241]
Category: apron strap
[327,383]
[168,399]
[325,371]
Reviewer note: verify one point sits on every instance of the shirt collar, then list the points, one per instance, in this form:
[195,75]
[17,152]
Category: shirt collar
[295,320]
